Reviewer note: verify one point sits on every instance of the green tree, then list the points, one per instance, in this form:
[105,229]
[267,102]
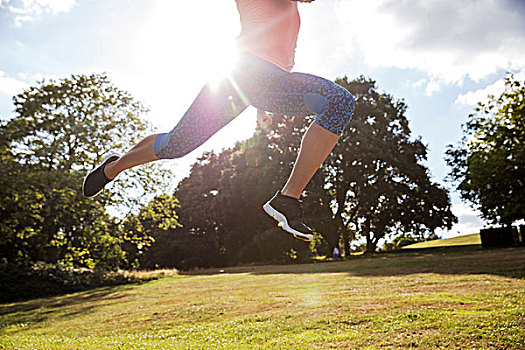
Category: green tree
[376,177]
[60,129]
[152,223]
[489,162]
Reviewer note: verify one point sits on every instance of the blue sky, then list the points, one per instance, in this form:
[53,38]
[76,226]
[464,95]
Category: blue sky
[440,56]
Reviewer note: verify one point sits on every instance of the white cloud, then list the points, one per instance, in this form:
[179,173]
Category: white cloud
[28,10]
[34,77]
[419,83]
[449,39]
[472,98]
[432,87]
[10,86]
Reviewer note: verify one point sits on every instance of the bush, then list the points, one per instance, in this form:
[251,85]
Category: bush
[40,279]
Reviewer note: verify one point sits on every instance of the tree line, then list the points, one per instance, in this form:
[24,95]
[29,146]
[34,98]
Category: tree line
[373,188]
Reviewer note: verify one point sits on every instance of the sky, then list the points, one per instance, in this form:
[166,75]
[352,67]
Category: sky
[441,57]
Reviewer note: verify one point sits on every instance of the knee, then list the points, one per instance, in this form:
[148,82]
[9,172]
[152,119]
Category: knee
[165,147]
[344,106]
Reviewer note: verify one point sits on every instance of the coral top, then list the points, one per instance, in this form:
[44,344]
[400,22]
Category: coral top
[270,29]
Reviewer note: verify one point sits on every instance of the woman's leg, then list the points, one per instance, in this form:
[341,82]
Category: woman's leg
[300,95]
[284,207]
[143,152]
[316,145]
[304,94]
[212,109]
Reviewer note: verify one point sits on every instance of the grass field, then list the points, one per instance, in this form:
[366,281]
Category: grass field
[473,239]
[468,298]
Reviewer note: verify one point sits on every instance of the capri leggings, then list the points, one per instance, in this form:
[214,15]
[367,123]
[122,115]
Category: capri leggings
[265,86]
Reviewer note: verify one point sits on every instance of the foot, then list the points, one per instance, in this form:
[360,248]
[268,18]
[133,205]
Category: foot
[287,212]
[96,180]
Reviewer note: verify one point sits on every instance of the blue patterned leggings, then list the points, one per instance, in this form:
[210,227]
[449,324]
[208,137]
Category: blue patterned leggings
[265,86]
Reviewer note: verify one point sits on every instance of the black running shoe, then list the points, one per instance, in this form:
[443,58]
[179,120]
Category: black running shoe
[287,212]
[95,180]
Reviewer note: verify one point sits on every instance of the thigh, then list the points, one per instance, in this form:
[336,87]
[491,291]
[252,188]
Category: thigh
[300,94]
[214,107]
[297,94]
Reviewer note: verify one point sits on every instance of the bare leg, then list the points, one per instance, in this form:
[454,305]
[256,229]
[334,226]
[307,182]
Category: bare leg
[316,145]
[141,153]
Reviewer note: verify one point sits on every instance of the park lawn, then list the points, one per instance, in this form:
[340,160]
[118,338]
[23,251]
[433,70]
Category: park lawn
[469,298]
[473,239]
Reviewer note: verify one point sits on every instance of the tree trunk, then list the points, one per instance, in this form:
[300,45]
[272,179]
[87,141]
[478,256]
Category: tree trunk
[342,230]
[346,242]
[370,244]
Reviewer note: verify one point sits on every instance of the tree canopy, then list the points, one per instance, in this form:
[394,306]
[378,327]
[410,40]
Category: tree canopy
[374,186]
[489,162]
[61,129]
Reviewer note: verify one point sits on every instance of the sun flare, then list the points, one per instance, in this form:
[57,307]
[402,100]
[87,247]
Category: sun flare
[197,43]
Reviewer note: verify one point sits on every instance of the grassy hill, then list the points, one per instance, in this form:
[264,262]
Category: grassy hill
[473,239]
[468,298]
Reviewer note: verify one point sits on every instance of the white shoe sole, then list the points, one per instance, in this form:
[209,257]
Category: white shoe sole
[283,223]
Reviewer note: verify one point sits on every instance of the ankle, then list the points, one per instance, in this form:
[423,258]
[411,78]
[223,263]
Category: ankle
[287,193]
[108,170]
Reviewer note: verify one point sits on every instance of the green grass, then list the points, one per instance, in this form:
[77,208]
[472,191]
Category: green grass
[473,239]
[468,298]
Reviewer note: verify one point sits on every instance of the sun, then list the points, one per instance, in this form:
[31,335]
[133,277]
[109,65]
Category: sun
[192,40]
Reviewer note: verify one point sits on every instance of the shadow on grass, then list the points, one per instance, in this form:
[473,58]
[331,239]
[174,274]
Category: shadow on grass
[506,262]
[42,309]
